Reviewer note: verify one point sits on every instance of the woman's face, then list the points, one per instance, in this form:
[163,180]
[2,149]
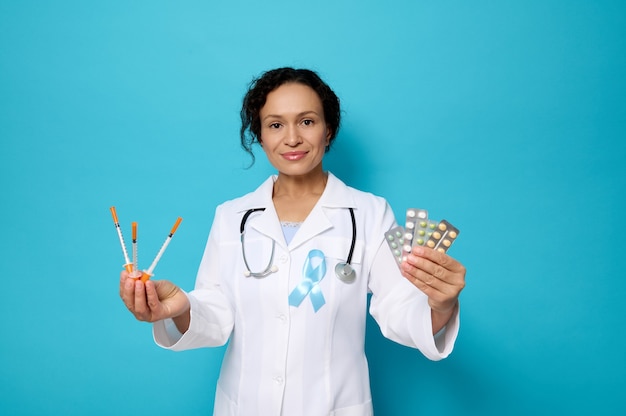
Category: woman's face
[294,134]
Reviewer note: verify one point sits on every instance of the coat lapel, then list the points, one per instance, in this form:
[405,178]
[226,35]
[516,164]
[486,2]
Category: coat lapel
[267,224]
[264,222]
[316,223]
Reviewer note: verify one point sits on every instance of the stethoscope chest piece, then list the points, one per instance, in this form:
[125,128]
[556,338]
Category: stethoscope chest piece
[345,272]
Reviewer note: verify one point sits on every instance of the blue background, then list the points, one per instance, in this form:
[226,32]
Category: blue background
[508,118]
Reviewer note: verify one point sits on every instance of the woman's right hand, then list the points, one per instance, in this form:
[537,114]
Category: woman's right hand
[155,300]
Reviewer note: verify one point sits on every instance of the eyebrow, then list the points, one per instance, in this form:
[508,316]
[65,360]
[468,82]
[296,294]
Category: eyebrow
[304,113]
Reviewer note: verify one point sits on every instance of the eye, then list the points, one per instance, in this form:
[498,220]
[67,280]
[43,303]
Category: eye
[274,126]
[307,122]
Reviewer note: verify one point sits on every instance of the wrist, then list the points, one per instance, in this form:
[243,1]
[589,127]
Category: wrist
[182,321]
[443,308]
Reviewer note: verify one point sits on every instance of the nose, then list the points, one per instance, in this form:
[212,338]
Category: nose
[292,137]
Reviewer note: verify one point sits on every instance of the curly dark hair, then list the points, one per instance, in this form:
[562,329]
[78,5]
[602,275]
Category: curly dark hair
[260,87]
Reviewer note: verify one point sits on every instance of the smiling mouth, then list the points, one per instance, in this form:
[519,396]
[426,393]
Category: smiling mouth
[294,155]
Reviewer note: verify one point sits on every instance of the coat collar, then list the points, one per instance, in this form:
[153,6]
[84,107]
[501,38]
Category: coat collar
[336,195]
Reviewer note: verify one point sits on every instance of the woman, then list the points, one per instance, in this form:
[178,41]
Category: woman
[296,328]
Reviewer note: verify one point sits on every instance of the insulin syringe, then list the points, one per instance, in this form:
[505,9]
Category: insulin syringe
[147,274]
[135,273]
[127,265]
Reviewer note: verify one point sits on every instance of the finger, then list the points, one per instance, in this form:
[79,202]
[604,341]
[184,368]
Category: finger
[123,277]
[127,291]
[425,269]
[439,265]
[423,280]
[425,274]
[141,310]
[152,297]
[437,257]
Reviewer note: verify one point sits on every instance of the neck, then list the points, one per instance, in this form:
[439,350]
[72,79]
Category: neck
[298,186]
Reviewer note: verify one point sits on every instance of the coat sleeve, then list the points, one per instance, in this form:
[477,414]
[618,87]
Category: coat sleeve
[400,309]
[212,313]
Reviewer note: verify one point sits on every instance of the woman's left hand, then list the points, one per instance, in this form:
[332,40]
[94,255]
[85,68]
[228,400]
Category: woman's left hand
[439,276]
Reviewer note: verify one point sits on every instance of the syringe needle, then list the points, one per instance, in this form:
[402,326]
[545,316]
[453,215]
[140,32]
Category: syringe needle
[128,265]
[148,273]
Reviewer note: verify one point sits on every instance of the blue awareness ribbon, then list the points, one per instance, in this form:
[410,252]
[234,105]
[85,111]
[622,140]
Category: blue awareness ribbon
[311,277]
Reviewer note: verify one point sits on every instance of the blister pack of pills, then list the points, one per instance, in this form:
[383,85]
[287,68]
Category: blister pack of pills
[443,237]
[395,241]
[419,230]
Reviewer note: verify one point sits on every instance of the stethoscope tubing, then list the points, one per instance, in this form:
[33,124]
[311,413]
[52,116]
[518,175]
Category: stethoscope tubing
[347,275]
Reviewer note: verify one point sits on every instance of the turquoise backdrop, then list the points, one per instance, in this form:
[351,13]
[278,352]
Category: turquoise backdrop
[507,118]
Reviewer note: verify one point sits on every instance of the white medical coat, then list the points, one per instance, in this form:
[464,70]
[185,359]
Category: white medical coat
[287,360]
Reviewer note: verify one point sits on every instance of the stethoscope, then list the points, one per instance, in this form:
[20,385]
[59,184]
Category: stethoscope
[344,271]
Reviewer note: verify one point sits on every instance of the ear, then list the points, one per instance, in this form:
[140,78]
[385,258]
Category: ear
[329,133]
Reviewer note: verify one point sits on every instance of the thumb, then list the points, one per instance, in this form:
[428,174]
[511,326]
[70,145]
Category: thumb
[164,289]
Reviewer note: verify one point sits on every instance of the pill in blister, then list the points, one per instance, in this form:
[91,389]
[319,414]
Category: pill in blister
[443,236]
[423,231]
[416,213]
[396,242]
[413,216]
